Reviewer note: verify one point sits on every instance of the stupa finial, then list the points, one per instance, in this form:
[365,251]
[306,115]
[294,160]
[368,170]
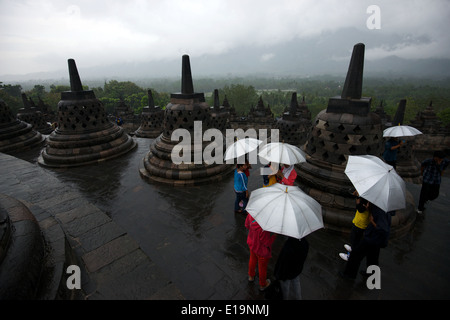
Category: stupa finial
[216,99]
[353,81]
[400,113]
[75,82]
[187,86]
[151,102]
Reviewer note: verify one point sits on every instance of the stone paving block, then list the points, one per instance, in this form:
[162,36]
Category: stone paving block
[77,213]
[77,227]
[201,290]
[109,252]
[55,201]
[39,213]
[47,223]
[101,235]
[17,213]
[133,276]
[169,292]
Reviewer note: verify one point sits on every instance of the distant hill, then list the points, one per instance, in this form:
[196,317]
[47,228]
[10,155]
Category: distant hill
[392,67]
[329,54]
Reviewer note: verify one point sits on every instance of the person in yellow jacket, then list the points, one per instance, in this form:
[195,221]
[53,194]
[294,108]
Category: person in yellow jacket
[270,179]
[359,224]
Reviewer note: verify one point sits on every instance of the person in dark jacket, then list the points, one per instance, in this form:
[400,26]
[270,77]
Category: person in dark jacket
[390,151]
[375,237]
[289,265]
[432,171]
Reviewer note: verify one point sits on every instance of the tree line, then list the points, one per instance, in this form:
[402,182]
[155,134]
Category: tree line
[243,93]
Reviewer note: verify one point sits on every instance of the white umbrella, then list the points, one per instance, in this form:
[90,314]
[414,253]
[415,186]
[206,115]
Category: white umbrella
[284,153]
[241,147]
[285,210]
[376,181]
[400,131]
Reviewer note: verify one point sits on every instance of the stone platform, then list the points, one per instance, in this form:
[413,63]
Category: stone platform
[138,240]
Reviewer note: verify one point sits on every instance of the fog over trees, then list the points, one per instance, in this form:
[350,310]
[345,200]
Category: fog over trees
[244,92]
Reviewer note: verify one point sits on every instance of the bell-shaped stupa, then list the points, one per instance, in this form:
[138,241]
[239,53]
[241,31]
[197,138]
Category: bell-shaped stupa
[260,116]
[84,134]
[408,166]
[16,135]
[346,127]
[295,122]
[220,116]
[152,118]
[186,110]
[30,114]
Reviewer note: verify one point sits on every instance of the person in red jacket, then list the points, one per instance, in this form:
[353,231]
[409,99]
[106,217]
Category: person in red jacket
[287,175]
[260,245]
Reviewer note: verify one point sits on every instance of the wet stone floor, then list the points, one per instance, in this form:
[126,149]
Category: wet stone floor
[194,236]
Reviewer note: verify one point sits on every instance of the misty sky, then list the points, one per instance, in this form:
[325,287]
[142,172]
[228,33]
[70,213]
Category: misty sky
[40,35]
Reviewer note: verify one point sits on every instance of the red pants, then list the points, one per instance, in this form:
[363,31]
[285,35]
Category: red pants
[262,267]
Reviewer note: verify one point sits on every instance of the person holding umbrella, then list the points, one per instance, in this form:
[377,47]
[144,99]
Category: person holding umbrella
[390,151]
[359,224]
[240,187]
[240,148]
[285,210]
[269,179]
[289,266]
[392,144]
[260,245]
[377,182]
[432,171]
[375,237]
[287,175]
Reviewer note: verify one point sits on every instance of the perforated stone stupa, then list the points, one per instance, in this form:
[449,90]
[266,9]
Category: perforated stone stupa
[152,118]
[30,114]
[183,110]
[260,116]
[408,167]
[84,134]
[435,136]
[295,122]
[346,127]
[427,121]
[16,135]
[220,115]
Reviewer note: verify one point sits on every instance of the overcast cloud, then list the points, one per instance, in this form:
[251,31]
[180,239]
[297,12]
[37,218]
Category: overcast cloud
[40,35]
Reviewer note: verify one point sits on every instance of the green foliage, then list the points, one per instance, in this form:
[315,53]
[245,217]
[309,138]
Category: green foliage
[277,100]
[241,97]
[59,88]
[12,90]
[12,102]
[115,89]
[444,115]
[243,93]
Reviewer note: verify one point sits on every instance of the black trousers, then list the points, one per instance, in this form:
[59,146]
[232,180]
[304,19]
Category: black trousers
[363,249]
[356,235]
[428,192]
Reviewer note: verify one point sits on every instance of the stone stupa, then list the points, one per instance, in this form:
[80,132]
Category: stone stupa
[30,114]
[408,167]
[294,124]
[16,135]
[220,115]
[346,127]
[84,134]
[184,111]
[152,118]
